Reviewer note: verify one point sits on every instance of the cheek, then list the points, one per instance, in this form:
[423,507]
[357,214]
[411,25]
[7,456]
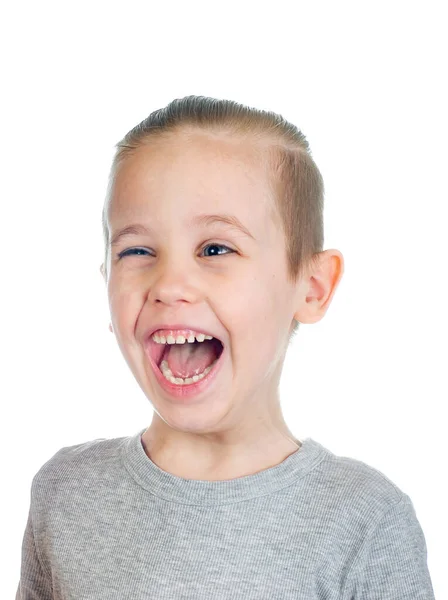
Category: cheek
[260,297]
[256,314]
[249,310]
[124,307]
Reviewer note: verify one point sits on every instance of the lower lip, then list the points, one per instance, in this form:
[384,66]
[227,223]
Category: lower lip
[189,391]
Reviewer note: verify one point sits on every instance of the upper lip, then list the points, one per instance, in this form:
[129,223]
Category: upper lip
[158,326]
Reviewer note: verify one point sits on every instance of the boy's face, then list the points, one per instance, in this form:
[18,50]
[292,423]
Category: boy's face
[243,297]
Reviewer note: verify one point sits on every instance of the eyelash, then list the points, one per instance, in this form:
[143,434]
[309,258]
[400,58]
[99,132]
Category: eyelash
[128,252]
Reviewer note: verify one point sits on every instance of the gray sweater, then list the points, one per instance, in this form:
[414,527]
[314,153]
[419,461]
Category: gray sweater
[106,523]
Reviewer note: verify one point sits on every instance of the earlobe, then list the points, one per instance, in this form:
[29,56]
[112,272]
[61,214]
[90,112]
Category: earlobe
[110,327]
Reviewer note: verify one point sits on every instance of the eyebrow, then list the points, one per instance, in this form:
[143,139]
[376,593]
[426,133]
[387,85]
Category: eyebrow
[202,219]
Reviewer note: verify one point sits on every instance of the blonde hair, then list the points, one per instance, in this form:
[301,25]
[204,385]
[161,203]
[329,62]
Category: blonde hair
[296,181]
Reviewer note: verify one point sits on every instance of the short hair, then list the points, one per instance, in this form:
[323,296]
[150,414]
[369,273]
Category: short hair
[296,182]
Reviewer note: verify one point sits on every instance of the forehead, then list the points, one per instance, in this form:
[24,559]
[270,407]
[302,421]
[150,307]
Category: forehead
[191,171]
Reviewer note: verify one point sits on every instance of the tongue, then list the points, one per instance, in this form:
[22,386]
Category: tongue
[186,360]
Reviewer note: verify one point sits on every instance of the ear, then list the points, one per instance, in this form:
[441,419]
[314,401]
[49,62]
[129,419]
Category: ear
[316,291]
[102,271]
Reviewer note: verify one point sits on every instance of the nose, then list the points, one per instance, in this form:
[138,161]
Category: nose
[173,281]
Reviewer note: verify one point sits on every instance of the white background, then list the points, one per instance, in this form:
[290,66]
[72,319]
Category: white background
[366,83]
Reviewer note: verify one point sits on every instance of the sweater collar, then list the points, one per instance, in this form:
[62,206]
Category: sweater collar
[192,491]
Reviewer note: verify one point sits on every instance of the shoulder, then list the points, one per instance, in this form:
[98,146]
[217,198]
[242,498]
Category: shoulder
[355,487]
[75,465]
[353,501]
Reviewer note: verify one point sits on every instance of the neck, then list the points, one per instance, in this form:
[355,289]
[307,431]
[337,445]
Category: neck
[213,463]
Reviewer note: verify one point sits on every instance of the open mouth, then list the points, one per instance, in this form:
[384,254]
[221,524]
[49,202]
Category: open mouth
[159,352]
[186,370]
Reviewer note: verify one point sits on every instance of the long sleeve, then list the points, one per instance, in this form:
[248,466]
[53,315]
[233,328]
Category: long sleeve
[392,563]
[34,583]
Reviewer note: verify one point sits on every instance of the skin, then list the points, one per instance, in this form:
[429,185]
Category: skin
[244,297]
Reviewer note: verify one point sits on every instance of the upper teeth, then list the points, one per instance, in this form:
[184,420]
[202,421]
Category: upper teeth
[180,339]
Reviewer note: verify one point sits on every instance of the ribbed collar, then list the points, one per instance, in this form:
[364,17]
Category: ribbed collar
[191,491]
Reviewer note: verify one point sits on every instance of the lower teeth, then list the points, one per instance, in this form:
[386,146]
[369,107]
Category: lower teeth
[168,374]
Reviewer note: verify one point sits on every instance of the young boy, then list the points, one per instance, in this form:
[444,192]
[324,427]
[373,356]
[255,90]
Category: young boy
[213,240]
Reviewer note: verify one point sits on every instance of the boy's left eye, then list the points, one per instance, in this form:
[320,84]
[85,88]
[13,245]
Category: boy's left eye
[132,251]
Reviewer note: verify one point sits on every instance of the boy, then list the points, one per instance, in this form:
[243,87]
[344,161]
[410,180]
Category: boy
[213,255]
